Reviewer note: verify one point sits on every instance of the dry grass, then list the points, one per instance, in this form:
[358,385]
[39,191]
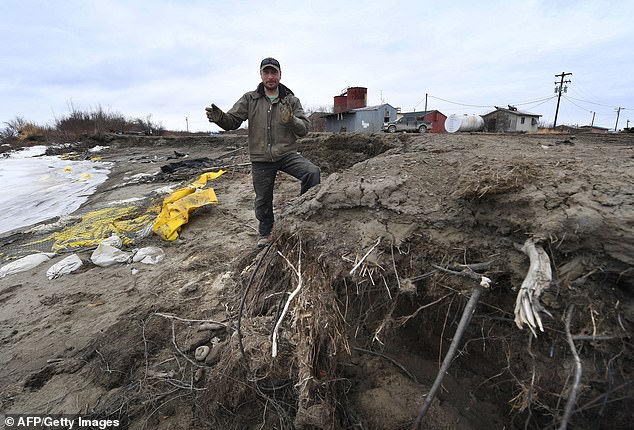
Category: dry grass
[480,179]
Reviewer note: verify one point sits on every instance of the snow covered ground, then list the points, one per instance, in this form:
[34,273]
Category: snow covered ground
[36,187]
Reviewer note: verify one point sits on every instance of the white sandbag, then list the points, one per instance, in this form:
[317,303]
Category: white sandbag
[113,240]
[106,255]
[64,267]
[98,148]
[149,255]
[25,263]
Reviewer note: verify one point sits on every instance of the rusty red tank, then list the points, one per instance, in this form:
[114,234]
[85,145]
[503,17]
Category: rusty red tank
[357,97]
[341,103]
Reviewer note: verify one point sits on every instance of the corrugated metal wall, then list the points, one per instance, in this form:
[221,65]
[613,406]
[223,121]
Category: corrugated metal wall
[437,121]
[368,121]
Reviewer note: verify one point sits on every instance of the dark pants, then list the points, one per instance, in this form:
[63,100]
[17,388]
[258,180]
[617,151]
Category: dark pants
[264,180]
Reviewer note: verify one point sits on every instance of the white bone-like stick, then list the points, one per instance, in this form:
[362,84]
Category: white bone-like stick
[537,279]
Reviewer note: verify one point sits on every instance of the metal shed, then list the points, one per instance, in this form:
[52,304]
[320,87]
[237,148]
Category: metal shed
[368,119]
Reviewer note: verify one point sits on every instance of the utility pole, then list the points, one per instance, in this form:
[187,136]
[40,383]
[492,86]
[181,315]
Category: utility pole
[425,102]
[618,111]
[627,124]
[592,123]
[559,91]
[187,124]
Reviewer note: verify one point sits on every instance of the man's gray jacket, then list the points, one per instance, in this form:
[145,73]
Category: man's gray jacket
[269,140]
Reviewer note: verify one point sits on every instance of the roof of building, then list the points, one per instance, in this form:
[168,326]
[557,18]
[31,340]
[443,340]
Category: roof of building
[375,107]
[421,112]
[594,126]
[367,108]
[514,112]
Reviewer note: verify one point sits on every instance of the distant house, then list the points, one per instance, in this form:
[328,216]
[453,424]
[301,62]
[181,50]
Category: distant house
[316,121]
[593,129]
[503,120]
[567,128]
[583,129]
[366,119]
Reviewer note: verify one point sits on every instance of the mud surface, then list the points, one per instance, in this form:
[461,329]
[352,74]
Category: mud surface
[355,350]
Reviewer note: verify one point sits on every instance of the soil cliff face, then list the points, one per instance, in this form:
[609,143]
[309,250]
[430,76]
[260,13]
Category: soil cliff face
[360,343]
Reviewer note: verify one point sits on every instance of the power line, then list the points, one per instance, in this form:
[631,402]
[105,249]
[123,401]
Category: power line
[594,103]
[600,104]
[580,107]
[579,87]
[532,101]
[461,104]
[541,103]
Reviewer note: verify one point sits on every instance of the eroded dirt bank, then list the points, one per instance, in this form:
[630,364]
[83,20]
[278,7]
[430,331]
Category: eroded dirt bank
[355,350]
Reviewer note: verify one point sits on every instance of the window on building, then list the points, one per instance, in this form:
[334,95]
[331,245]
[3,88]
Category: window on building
[523,119]
[533,121]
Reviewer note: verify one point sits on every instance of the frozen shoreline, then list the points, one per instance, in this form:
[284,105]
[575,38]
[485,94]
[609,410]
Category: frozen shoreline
[37,187]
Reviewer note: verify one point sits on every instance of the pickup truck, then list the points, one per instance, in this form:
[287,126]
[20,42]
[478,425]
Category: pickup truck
[408,124]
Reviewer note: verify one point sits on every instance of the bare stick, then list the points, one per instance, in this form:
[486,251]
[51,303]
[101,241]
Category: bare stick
[193,363]
[228,166]
[599,337]
[298,272]
[174,317]
[365,256]
[464,322]
[572,398]
[226,154]
[403,320]
[477,266]
[465,273]
[595,402]
[398,281]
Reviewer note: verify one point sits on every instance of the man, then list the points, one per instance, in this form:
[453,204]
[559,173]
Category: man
[276,120]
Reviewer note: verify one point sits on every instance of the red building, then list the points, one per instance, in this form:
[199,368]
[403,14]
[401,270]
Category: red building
[436,118]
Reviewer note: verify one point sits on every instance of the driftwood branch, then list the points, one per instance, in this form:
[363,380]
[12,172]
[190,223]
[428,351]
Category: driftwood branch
[538,278]
[298,273]
[356,266]
[572,398]
[466,273]
[462,326]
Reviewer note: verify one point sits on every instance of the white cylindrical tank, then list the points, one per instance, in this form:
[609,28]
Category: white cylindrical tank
[465,122]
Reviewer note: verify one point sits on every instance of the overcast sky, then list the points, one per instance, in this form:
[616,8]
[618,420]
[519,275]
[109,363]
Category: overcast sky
[172,58]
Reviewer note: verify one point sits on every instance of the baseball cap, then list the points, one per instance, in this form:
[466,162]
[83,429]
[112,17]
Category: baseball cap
[270,62]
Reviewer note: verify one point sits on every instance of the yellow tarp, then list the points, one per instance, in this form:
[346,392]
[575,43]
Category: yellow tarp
[178,206]
[100,224]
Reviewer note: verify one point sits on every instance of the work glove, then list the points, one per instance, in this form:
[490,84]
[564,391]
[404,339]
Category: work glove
[286,112]
[214,113]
